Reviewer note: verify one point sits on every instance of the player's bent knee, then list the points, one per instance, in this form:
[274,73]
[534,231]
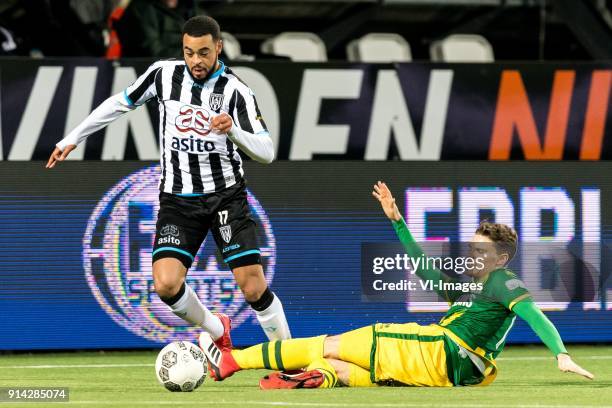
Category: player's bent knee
[331,347]
[252,292]
[168,277]
[167,289]
[342,369]
[251,281]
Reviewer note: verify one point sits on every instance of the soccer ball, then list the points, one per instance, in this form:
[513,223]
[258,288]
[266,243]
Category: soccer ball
[181,366]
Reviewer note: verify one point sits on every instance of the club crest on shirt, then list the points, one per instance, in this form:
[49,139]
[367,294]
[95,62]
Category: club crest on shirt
[226,233]
[215,101]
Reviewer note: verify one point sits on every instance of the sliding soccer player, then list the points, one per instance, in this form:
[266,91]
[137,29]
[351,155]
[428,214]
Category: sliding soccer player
[459,350]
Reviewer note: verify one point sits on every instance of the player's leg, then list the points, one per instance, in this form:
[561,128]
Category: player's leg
[281,355]
[329,372]
[290,354]
[235,233]
[353,347]
[348,357]
[338,372]
[169,280]
[177,240]
[267,306]
[352,375]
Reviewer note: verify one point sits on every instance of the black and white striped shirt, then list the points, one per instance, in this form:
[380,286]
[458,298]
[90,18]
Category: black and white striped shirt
[194,159]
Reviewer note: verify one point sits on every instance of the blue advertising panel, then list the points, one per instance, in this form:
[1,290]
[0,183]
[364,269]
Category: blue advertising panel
[75,245]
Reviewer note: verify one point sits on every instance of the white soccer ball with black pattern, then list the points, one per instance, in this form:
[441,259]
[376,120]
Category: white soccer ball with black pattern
[181,366]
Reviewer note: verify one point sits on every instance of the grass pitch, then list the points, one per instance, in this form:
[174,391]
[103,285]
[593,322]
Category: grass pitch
[528,377]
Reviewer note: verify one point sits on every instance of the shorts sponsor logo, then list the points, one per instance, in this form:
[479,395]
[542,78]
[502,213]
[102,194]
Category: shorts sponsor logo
[168,240]
[231,248]
[117,248]
[226,233]
[170,229]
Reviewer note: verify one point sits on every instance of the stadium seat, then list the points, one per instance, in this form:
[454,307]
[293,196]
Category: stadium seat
[462,48]
[379,47]
[298,46]
[231,47]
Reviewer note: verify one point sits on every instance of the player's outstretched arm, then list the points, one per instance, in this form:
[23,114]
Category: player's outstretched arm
[549,335]
[567,365]
[59,155]
[106,112]
[387,201]
[385,198]
[112,108]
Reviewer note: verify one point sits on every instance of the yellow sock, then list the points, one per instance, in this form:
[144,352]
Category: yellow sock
[331,377]
[281,354]
[359,377]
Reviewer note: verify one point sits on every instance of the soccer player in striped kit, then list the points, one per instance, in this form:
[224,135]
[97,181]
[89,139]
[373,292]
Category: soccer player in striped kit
[206,113]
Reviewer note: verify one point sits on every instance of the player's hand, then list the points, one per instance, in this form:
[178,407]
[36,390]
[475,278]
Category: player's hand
[222,123]
[59,155]
[383,195]
[567,365]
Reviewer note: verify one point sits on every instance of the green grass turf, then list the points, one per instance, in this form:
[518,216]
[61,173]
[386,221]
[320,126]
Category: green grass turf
[528,377]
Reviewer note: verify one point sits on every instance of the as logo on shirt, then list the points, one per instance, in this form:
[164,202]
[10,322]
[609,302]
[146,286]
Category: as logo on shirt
[193,119]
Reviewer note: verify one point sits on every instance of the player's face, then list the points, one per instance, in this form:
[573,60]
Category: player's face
[201,54]
[170,3]
[484,249]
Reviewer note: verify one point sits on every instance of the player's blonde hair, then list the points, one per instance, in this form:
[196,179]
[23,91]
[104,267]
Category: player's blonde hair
[503,236]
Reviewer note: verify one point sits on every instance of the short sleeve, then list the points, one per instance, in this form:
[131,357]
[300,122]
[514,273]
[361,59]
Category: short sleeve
[509,289]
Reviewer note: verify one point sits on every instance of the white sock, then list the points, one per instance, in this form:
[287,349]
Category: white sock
[273,321]
[190,309]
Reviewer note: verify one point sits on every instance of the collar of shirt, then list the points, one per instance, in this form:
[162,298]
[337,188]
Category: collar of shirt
[201,82]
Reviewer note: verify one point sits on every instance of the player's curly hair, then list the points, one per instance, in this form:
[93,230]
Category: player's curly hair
[199,26]
[504,237]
